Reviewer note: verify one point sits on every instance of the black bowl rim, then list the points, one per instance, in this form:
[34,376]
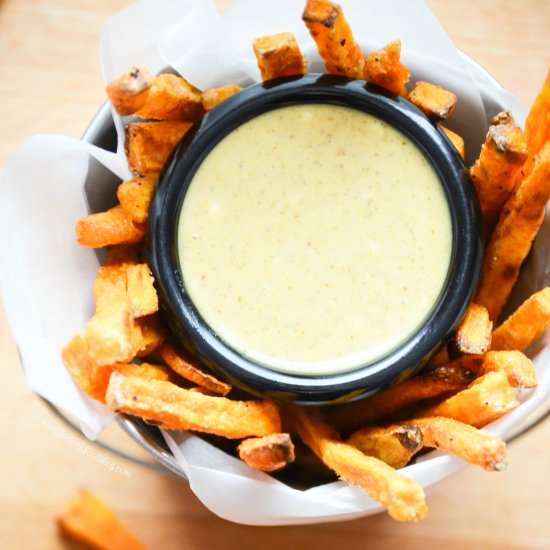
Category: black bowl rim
[321,389]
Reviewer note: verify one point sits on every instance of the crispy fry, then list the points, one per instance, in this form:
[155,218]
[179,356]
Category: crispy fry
[486,399]
[395,445]
[455,139]
[135,196]
[112,333]
[185,369]
[142,295]
[403,498]
[214,96]
[108,228]
[171,97]
[149,144]
[335,42]
[147,371]
[128,92]
[174,408]
[463,440]
[537,125]
[473,335]
[500,160]
[511,241]
[518,368]
[279,55]
[426,385]
[268,453]
[88,520]
[526,324]
[153,334]
[434,101]
[90,377]
[383,68]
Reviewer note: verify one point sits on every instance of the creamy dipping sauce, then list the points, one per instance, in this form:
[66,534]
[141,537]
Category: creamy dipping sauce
[315,239]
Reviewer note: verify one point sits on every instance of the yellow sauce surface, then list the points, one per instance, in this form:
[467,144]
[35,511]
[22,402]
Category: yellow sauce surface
[314,239]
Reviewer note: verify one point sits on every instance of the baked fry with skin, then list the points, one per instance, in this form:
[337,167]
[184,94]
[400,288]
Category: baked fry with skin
[513,236]
[279,55]
[455,139]
[526,324]
[128,93]
[214,96]
[486,399]
[403,497]
[473,335]
[142,294]
[494,173]
[153,334]
[268,453]
[383,68]
[518,367]
[89,521]
[332,34]
[537,125]
[90,377]
[171,97]
[434,101]
[433,383]
[108,228]
[395,445]
[135,196]
[149,144]
[166,405]
[463,440]
[180,365]
[147,371]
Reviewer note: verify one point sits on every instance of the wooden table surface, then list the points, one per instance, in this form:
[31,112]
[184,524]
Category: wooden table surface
[50,82]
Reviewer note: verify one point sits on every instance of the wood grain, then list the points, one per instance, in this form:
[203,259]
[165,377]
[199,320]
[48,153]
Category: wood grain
[50,82]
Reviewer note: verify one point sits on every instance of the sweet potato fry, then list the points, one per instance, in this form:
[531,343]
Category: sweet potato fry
[332,34]
[486,399]
[214,96]
[514,233]
[171,97]
[268,453]
[463,440]
[128,92]
[526,324]
[147,371]
[518,368]
[495,171]
[434,101]
[433,383]
[153,334]
[108,228]
[149,144]
[473,335]
[88,520]
[403,498]
[185,369]
[174,408]
[455,139]
[112,334]
[395,445]
[279,55]
[90,377]
[384,69]
[537,125]
[135,196]
[142,294]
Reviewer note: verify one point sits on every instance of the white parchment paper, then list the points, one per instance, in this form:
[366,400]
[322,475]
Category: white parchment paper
[51,181]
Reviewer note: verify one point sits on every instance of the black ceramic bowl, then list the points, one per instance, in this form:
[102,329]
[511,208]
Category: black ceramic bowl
[199,338]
